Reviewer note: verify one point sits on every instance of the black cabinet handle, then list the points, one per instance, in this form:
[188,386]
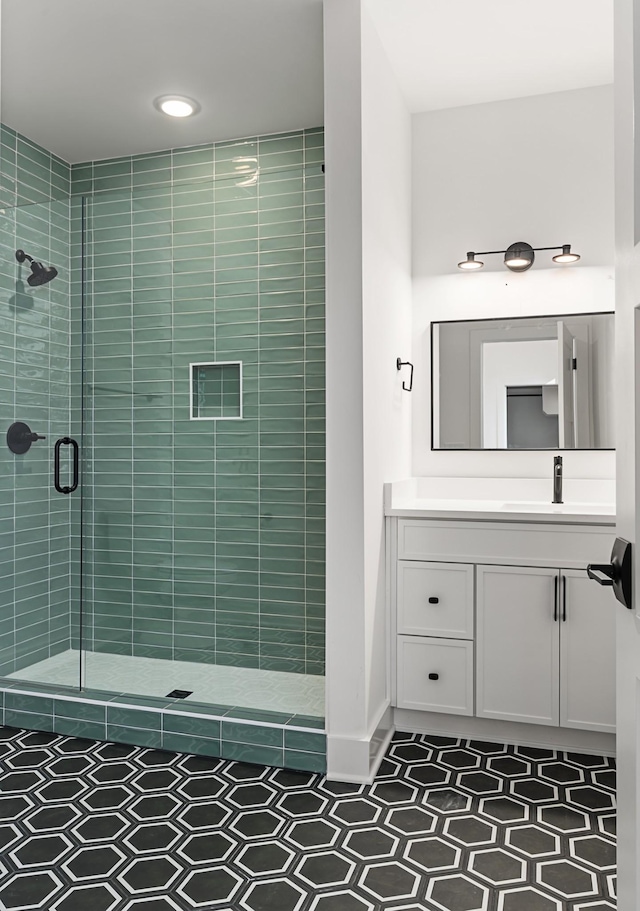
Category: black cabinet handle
[555,599]
[66,441]
[434,600]
[564,598]
[434,676]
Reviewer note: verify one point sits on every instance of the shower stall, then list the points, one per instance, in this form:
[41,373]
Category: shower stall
[163,532]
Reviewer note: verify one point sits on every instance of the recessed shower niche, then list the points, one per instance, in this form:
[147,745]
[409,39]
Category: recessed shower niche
[216,391]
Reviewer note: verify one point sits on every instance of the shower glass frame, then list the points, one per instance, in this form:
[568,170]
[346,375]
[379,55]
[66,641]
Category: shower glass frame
[40,564]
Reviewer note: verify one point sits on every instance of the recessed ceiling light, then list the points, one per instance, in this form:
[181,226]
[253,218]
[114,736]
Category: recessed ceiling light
[176,105]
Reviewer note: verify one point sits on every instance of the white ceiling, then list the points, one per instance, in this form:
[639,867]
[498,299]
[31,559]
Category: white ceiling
[79,76]
[448,53]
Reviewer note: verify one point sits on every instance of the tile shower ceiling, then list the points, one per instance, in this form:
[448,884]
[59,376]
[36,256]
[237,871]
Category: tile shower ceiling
[448,825]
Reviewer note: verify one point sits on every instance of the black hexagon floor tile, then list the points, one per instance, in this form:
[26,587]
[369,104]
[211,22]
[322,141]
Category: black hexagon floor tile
[262,859]
[448,825]
[207,848]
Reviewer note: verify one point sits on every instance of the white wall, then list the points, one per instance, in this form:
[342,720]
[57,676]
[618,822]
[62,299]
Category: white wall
[387,319]
[538,169]
[345,674]
[368,173]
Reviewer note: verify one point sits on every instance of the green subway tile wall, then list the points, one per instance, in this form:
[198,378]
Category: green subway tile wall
[30,174]
[35,555]
[204,540]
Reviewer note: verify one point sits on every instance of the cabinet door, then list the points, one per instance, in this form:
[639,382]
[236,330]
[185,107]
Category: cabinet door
[435,599]
[587,654]
[517,657]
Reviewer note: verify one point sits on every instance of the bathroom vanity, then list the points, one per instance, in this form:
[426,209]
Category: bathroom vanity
[496,630]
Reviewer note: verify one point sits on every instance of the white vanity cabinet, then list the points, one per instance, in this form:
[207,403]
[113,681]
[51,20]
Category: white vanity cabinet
[545,648]
[498,621]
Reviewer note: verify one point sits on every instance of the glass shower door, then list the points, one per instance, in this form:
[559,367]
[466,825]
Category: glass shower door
[39,552]
[203,553]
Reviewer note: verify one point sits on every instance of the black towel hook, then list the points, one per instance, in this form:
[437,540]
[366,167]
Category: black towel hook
[399,364]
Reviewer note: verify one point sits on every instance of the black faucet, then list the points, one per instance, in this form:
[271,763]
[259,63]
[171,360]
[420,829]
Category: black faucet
[557,479]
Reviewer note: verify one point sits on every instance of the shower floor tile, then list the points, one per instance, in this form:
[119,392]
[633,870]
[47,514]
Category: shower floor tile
[448,825]
[272,691]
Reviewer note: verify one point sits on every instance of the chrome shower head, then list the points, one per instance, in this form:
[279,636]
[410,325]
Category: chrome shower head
[40,274]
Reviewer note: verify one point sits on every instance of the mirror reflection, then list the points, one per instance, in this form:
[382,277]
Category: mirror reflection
[523,383]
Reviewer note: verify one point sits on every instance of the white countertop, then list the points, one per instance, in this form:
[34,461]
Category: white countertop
[586,502]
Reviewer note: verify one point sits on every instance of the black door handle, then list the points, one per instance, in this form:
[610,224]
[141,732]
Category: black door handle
[555,599]
[607,572]
[66,441]
[618,573]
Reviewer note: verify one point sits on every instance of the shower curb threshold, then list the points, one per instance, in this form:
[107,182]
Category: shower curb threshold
[281,740]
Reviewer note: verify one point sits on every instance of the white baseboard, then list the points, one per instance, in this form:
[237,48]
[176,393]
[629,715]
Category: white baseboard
[532,735]
[357,759]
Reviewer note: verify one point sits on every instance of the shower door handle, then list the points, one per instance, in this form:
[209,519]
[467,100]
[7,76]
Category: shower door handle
[66,441]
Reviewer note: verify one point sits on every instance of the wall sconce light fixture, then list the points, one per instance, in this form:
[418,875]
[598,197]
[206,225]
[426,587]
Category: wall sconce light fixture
[519,257]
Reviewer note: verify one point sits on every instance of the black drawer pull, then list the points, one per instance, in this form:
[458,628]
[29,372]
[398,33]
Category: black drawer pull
[434,600]
[434,676]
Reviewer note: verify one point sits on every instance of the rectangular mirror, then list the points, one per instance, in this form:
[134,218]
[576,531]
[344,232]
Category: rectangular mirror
[541,382]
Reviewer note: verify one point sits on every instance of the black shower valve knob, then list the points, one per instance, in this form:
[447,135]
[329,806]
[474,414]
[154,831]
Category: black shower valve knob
[20,437]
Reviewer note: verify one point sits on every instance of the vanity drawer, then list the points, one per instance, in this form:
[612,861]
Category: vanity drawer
[435,599]
[504,543]
[450,659]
